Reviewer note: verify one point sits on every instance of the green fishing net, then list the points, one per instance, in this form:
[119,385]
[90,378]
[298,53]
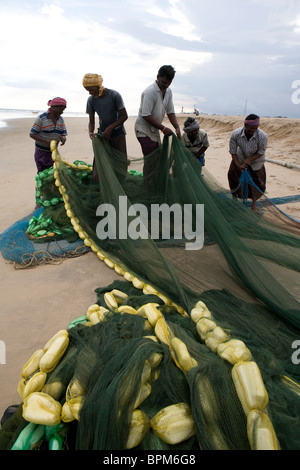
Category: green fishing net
[192,348]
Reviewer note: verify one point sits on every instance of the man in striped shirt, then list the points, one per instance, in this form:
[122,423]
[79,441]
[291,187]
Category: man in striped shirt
[48,126]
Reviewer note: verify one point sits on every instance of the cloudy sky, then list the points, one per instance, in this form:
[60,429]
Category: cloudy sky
[230,56]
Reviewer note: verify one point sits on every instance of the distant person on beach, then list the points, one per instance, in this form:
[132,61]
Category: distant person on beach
[109,106]
[48,126]
[156,102]
[195,139]
[247,148]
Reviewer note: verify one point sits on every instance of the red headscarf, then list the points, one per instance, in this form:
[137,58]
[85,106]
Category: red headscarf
[57,102]
[252,122]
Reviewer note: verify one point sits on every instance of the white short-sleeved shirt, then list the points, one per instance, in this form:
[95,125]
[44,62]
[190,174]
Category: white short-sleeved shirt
[153,103]
[242,147]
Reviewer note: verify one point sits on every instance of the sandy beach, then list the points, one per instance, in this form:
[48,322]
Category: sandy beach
[37,302]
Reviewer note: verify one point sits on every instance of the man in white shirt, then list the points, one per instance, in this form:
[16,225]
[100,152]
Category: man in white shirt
[247,148]
[156,102]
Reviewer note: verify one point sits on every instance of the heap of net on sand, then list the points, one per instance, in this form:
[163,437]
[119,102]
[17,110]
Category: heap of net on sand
[191,349]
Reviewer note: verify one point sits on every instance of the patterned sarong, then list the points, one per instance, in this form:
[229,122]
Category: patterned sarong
[43,159]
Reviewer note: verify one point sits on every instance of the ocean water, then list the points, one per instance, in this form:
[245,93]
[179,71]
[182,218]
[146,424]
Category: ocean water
[6,114]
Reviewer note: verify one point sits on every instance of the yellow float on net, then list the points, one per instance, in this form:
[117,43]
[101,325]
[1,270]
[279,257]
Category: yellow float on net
[110,300]
[40,408]
[249,386]
[33,364]
[34,384]
[54,354]
[183,357]
[234,351]
[261,434]
[174,423]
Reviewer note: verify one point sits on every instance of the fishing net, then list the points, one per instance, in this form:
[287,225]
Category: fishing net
[192,348]
[25,250]
[45,236]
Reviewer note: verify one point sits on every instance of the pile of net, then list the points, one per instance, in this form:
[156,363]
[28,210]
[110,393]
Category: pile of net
[191,349]
[44,236]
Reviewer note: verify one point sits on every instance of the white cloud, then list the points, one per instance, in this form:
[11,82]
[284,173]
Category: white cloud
[296,25]
[56,51]
[176,22]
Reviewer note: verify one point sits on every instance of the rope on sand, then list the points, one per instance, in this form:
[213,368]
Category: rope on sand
[38,258]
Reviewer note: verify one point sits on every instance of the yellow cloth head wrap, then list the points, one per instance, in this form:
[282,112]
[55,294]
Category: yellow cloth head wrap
[92,79]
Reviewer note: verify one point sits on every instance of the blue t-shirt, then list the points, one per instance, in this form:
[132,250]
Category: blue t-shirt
[107,107]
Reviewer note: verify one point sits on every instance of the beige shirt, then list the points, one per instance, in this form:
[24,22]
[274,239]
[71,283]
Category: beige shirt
[242,147]
[153,104]
[200,140]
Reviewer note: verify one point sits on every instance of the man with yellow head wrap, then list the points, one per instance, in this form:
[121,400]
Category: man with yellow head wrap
[92,80]
[109,106]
